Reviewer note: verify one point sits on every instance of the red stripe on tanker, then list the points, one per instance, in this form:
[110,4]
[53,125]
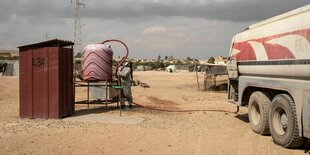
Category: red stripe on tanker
[290,45]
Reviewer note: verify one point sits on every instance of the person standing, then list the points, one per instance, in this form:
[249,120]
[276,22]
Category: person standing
[126,77]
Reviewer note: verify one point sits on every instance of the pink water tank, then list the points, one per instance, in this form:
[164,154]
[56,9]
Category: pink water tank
[98,59]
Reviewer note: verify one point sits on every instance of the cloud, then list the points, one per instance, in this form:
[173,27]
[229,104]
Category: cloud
[226,10]
[154,30]
[195,28]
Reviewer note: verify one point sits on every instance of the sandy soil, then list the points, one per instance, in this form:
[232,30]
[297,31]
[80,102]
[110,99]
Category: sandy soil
[159,133]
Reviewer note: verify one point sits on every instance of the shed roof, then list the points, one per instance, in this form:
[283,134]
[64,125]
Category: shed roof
[49,43]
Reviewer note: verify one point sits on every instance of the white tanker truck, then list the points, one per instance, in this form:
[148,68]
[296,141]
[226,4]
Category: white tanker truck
[269,71]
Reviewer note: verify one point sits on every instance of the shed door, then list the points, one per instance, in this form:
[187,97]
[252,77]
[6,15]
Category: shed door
[40,83]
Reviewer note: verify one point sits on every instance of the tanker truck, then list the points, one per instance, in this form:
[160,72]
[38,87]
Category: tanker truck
[269,72]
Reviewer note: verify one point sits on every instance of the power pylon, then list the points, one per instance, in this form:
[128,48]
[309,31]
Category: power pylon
[78,28]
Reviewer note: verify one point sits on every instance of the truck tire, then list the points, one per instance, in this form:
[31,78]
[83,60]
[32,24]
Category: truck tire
[259,105]
[283,122]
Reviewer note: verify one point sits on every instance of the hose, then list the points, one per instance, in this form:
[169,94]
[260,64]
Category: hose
[180,110]
[124,58]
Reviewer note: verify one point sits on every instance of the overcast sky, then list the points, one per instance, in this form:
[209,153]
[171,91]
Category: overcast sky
[182,28]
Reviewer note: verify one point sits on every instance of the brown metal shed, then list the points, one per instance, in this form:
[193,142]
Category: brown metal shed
[46,79]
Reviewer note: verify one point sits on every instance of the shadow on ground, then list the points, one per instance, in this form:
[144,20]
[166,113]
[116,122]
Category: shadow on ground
[94,110]
[99,110]
[102,114]
[243,117]
[307,147]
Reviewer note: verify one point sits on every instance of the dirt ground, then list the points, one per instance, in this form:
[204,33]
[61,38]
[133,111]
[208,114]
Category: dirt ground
[202,132]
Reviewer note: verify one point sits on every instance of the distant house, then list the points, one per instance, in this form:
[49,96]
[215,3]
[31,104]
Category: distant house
[148,60]
[8,53]
[220,60]
[203,61]
[9,67]
[9,62]
[144,68]
[5,55]
[173,61]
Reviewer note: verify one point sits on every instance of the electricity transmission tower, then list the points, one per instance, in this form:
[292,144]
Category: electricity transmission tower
[77,27]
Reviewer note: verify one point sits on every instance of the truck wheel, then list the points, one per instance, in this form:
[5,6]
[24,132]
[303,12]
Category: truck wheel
[259,105]
[283,122]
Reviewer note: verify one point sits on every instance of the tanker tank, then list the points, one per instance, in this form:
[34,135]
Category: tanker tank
[278,47]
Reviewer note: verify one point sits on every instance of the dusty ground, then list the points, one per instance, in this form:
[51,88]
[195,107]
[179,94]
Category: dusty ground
[159,133]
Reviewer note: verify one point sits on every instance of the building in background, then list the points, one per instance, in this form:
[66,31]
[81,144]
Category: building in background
[8,54]
[9,63]
[219,60]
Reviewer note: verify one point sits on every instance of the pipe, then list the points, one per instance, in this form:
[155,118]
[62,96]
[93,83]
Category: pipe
[124,58]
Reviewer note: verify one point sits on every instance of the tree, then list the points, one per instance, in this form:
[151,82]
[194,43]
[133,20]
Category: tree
[158,58]
[178,62]
[166,57]
[211,60]
[189,59]
[114,62]
[170,58]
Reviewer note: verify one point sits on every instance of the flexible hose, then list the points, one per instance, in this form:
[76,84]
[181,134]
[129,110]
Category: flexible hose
[180,110]
[124,58]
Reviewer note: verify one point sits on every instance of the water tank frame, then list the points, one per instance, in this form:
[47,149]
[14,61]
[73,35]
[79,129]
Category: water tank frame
[115,81]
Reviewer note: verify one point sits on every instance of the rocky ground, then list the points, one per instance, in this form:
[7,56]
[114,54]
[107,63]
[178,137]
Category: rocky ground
[202,132]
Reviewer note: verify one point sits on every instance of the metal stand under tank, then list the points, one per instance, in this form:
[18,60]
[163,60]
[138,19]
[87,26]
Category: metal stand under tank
[98,92]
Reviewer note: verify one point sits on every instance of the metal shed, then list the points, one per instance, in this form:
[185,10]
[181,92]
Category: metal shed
[46,79]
